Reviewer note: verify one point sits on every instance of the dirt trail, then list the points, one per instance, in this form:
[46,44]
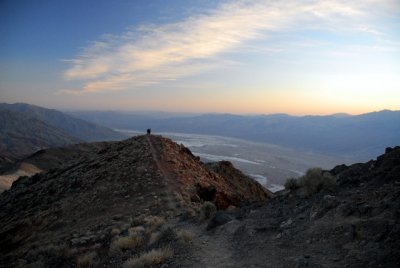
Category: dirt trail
[166,173]
[209,250]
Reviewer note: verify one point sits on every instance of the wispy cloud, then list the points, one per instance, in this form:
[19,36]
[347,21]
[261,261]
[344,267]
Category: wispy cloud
[152,54]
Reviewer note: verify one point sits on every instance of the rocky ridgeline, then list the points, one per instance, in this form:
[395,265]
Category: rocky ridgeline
[92,208]
[193,181]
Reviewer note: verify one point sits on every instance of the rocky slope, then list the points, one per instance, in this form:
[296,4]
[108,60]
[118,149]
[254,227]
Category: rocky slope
[44,160]
[355,225]
[112,202]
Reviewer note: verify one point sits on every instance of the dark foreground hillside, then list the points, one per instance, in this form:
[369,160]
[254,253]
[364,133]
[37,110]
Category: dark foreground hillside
[148,202]
[113,202]
[355,225]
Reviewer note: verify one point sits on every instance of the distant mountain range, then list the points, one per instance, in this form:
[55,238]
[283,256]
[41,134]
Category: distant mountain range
[25,129]
[357,136]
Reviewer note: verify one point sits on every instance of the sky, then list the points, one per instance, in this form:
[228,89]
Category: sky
[243,57]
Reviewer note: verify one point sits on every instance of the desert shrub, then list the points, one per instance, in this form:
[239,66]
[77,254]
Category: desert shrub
[165,235]
[154,237]
[208,209]
[151,258]
[184,236]
[137,230]
[316,180]
[87,259]
[291,184]
[126,242]
[115,231]
[154,221]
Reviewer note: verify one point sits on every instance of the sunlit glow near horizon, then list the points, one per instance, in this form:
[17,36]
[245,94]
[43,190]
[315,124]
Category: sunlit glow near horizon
[246,57]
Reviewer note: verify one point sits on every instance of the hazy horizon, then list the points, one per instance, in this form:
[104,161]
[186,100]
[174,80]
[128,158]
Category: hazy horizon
[202,56]
[189,113]
[219,113]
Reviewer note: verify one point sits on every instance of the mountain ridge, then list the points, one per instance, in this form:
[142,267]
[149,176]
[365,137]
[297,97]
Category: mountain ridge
[26,128]
[360,137]
[21,135]
[75,127]
[112,185]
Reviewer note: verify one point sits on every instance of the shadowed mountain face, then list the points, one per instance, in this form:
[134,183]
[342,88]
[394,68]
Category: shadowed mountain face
[21,135]
[361,137]
[25,129]
[52,218]
[75,127]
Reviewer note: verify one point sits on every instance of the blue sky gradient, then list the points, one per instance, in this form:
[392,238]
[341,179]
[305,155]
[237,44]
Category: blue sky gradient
[297,57]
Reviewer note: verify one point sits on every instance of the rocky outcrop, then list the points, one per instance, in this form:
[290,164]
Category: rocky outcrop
[356,225]
[193,181]
[239,182]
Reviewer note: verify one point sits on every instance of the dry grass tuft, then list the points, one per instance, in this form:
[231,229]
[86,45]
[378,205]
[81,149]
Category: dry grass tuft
[115,231]
[137,230]
[154,221]
[151,258]
[126,242]
[154,237]
[184,236]
[87,259]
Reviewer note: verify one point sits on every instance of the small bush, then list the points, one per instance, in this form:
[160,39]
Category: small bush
[137,230]
[126,242]
[165,235]
[208,209]
[316,180]
[154,237]
[151,258]
[115,231]
[87,259]
[184,236]
[154,221]
[291,184]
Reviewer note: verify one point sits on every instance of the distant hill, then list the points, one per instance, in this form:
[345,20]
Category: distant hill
[75,127]
[358,136]
[21,135]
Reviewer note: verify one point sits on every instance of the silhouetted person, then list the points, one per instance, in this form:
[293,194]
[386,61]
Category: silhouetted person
[148,131]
